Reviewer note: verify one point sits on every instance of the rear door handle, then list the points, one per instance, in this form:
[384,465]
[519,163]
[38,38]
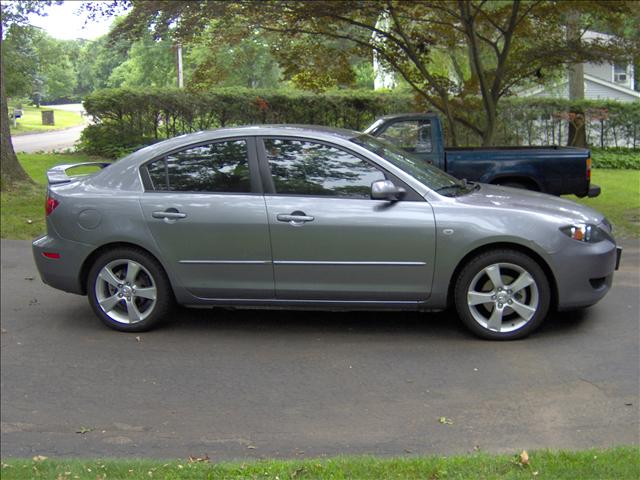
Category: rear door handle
[169,214]
[295,218]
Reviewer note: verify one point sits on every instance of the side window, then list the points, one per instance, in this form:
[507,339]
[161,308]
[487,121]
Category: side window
[410,135]
[215,167]
[309,168]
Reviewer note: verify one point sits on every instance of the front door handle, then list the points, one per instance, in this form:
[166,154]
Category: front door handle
[295,218]
[169,214]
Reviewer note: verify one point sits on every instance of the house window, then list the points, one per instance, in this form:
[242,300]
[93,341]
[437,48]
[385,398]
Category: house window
[620,74]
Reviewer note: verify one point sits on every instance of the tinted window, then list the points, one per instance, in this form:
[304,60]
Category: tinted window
[309,168]
[411,135]
[216,167]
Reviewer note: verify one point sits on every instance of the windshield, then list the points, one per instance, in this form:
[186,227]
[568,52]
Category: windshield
[431,176]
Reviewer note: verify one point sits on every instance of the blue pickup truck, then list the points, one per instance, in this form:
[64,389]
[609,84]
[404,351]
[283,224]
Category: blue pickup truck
[554,170]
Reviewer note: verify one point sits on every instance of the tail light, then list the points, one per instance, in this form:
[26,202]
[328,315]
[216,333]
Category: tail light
[589,169]
[50,205]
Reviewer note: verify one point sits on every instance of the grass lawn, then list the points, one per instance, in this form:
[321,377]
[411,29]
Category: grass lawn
[23,207]
[31,120]
[619,200]
[619,463]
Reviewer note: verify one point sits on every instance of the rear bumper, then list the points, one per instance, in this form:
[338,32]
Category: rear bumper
[594,191]
[63,273]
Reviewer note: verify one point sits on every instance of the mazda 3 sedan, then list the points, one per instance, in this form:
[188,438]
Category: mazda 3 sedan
[313,217]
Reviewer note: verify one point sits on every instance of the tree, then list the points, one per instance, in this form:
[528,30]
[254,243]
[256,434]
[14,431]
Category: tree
[507,44]
[12,13]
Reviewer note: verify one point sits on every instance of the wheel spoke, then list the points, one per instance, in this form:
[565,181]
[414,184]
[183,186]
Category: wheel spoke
[525,311]
[523,281]
[108,276]
[108,303]
[132,312]
[495,321]
[149,292]
[132,272]
[493,272]
[478,298]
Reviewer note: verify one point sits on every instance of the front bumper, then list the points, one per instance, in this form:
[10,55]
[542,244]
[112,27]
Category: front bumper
[584,272]
[63,273]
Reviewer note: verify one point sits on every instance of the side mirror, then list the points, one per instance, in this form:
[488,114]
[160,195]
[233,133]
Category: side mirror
[386,190]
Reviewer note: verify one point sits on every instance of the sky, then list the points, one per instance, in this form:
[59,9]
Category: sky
[65,22]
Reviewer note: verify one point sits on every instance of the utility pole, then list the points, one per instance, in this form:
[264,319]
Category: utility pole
[179,65]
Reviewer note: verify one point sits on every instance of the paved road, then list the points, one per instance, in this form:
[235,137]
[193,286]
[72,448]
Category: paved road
[47,141]
[254,383]
[50,141]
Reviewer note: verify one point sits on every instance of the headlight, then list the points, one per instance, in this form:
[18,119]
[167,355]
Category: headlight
[585,232]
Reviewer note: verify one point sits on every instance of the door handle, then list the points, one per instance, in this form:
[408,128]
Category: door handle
[169,214]
[295,218]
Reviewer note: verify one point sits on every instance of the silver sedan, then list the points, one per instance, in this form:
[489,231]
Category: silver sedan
[312,217]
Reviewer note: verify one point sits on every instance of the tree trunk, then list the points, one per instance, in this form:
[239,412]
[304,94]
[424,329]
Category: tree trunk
[10,169]
[489,130]
[575,72]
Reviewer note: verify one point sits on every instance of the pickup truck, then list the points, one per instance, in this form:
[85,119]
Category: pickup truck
[555,170]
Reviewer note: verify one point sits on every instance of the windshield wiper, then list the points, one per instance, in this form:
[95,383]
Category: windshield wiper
[456,186]
[465,187]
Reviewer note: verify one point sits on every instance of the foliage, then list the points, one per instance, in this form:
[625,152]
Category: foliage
[616,158]
[504,45]
[620,463]
[12,13]
[129,118]
[39,64]
[544,121]
[242,62]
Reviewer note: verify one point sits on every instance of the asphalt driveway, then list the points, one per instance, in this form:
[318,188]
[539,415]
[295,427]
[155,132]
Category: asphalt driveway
[289,384]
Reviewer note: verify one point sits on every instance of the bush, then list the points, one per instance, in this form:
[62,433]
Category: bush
[126,119]
[619,158]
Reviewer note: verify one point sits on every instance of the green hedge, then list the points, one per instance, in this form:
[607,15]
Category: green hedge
[545,121]
[126,119]
[625,158]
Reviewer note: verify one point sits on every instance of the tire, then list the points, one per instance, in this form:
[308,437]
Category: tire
[129,290]
[489,307]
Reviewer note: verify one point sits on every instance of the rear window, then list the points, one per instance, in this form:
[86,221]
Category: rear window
[214,167]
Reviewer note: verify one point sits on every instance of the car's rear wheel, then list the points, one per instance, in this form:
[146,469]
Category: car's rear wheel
[128,290]
[502,295]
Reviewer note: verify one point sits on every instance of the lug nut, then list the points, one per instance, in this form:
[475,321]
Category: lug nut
[499,305]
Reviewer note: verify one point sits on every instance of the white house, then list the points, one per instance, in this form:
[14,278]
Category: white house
[604,81]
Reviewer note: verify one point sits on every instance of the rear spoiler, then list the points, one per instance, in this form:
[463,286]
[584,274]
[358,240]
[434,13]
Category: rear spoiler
[58,174]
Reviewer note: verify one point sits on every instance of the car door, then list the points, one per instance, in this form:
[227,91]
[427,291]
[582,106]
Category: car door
[330,241]
[204,207]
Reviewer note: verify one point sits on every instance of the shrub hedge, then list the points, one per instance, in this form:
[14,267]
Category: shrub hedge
[626,158]
[126,119]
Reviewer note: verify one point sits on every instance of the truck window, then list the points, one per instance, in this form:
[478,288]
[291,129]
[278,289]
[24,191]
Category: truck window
[410,135]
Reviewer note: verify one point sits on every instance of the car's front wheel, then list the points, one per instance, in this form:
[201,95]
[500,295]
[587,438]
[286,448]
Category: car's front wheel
[502,295]
[128,290]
